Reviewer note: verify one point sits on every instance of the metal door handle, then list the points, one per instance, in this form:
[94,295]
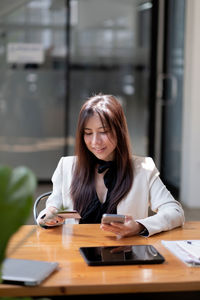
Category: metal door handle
[160,89]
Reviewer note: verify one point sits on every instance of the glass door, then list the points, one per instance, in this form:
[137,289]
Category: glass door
[170,92]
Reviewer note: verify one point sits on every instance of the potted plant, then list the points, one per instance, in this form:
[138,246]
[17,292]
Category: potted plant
[17,187]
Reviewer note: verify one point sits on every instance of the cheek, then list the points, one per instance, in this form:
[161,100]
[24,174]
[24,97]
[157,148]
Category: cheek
[112,141]
[86,140]
[113,146]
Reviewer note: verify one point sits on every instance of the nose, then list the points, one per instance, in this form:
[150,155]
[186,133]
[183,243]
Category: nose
[96,139]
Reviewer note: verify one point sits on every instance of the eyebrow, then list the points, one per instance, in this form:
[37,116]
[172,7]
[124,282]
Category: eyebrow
[102,127]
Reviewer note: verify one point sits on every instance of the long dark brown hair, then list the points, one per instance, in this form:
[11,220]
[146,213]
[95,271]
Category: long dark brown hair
[83,182]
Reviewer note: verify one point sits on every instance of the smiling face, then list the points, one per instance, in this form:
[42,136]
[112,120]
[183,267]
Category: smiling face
[99,139]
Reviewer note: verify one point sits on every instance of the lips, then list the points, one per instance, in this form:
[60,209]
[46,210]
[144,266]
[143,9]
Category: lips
[98,150]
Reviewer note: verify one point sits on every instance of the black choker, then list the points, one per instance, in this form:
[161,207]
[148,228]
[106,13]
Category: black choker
[110,175]
[104,165]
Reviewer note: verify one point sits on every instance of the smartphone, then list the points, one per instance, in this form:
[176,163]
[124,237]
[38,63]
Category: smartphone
[68,214]
[108,218]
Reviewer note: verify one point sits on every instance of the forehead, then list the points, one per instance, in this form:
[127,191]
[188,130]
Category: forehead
[94,121]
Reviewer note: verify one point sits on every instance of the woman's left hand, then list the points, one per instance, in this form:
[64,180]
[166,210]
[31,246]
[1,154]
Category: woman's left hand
[129,228]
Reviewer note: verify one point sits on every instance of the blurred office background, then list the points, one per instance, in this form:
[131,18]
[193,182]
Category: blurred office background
[54,54]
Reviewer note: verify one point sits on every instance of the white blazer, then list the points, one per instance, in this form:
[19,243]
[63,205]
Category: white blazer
[147,191]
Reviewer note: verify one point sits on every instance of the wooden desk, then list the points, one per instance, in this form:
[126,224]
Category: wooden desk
[74,277]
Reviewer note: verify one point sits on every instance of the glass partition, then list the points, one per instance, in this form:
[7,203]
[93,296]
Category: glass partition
[33,84]
[109,53]
[43,81]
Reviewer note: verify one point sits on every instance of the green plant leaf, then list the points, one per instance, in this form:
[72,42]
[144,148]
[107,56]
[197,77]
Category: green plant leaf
[17,189]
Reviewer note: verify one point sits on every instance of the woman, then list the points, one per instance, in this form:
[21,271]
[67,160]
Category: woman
[104,177]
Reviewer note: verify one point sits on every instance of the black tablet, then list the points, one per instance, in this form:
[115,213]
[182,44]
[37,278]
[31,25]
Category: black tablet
[121,255]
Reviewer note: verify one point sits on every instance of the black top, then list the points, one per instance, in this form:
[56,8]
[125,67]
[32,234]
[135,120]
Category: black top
[97,209]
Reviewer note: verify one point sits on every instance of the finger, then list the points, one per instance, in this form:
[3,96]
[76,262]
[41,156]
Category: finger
[109,228]
[105,227]
[53,223]
[60,219]
[52,219]
[117,225]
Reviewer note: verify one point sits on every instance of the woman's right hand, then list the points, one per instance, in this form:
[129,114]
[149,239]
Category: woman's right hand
[49,218]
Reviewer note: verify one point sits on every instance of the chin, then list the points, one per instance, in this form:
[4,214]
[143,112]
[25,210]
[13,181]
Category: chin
[104,157]
[100,156]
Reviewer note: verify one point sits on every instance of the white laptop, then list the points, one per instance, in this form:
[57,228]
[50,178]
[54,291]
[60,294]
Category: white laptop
[26,272]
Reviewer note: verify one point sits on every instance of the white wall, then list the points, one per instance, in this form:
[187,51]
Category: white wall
[190,174]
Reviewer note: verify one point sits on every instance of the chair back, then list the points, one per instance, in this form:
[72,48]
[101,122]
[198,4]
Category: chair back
[39,202]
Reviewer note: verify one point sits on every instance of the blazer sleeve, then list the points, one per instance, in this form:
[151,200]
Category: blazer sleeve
[55,199]
[168,212]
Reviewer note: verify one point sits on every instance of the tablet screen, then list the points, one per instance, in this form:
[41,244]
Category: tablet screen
[121,255]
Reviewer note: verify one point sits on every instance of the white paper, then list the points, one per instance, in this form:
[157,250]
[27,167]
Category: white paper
[191,247]
[186,251]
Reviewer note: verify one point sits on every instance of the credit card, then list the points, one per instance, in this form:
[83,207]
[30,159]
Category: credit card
[68,214]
